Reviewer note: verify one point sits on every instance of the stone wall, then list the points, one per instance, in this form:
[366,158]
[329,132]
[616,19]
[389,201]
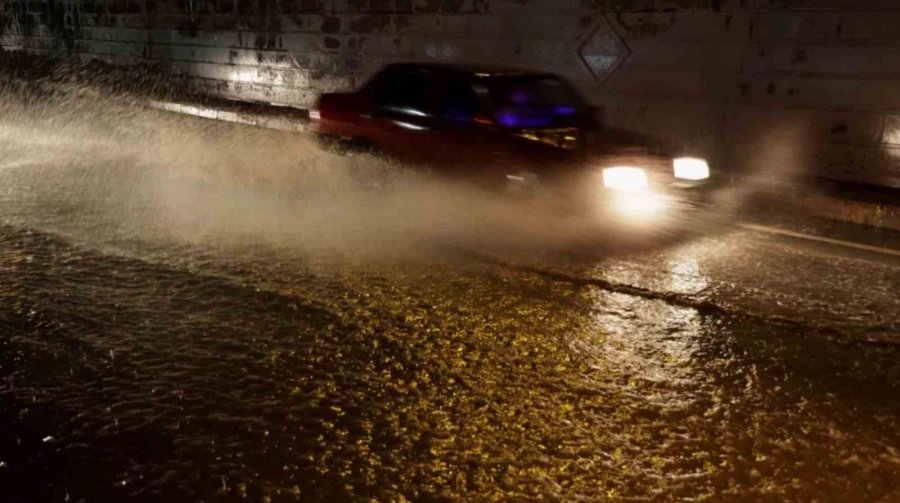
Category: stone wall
[775,86]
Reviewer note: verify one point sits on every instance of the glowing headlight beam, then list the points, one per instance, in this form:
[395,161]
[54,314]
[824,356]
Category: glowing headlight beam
[625,179]
[642,205]
[691,168]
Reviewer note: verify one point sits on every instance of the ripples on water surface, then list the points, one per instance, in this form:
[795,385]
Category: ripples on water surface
[188,309]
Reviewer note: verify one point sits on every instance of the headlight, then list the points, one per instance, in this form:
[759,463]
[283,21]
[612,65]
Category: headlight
[625,179]
[691,168]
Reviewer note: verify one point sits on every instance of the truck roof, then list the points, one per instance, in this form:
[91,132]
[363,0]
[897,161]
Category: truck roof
[471,69]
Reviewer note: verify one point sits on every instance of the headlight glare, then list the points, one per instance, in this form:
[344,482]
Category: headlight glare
[625,178]
[691,168]
[641,205]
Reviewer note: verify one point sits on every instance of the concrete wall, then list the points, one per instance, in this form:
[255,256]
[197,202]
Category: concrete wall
[777,86]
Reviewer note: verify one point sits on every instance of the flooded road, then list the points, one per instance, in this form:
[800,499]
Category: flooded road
[194,311]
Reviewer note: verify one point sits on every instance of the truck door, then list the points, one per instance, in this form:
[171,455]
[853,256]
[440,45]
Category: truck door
[402,114]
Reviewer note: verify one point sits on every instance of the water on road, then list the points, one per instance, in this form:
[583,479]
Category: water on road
[198,311]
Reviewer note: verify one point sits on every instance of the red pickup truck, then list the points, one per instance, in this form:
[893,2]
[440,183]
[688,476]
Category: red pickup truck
[509,126]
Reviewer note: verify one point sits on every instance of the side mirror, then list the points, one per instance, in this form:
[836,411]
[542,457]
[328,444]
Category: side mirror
[596,117]
[597,113]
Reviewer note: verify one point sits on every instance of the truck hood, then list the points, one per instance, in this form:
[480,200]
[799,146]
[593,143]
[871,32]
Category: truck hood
[612,146]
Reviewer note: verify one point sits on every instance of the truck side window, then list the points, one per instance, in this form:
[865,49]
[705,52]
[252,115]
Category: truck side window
[404,92]
[458,101]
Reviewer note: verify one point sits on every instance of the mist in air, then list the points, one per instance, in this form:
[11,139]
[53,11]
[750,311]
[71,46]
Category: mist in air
[104,169]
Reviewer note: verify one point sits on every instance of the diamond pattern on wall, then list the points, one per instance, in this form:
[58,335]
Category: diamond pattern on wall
[602,51]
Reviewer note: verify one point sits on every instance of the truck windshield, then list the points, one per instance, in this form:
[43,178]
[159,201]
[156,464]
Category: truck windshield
[534,102]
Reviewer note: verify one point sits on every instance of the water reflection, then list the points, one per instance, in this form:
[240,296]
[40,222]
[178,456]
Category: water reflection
[194,368]
[685,274]
[643,340]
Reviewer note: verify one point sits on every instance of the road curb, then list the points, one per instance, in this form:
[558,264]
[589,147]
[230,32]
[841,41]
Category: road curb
[254,115]
[808,201]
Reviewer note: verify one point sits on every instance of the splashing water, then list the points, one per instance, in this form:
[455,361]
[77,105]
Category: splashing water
[86,163]
[438,381]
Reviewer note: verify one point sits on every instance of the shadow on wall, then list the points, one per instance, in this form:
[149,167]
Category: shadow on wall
[774,154]
[31,76]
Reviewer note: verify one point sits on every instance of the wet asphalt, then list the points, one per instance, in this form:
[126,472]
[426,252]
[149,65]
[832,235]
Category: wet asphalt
[149,354]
